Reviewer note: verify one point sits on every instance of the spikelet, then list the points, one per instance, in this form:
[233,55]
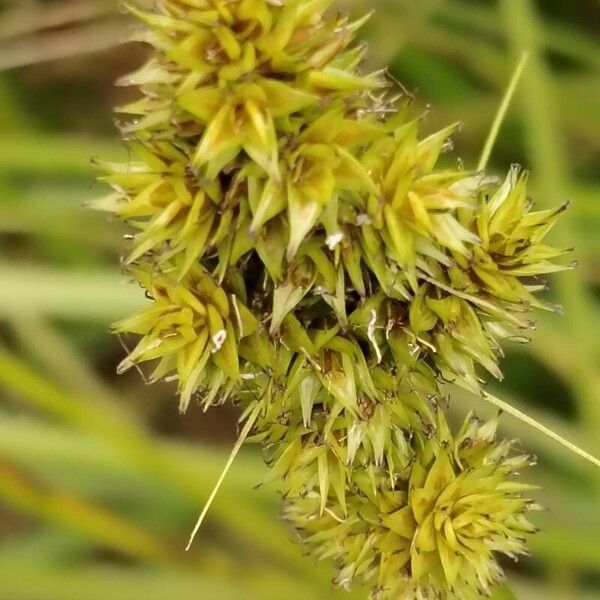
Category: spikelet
[193,328]
[437,532]
[306,259]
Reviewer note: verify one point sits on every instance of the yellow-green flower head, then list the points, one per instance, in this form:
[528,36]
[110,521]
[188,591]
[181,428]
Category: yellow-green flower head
[225,40]
[193,327]
[437,532]
[305,258]
[173,210]
[335,399]
[414,208]
[468,308]
[512,247]
[318,168]
[457,250]
[232,73]
[332,387]
[313,441]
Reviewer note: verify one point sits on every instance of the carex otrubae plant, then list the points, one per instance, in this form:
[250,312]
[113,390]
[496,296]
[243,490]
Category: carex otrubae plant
[306,259]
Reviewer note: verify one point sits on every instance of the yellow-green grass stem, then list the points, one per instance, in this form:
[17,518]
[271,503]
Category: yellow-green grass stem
[238,445]
[511,410]
[502,110]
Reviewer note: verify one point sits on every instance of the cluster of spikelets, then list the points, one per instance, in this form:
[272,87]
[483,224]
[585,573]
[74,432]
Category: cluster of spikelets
[431,534]
[306,260]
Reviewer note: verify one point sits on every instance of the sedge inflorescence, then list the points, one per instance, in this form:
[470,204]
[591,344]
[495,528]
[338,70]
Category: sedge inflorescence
[306,259]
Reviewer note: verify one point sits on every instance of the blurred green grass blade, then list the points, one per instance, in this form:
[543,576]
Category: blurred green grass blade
[484,61]
[111,422]
[23,580]
[541,590]
[503,593]
[577,45]
[28,18]
[52,214]
[45,545]
[399,27]
[19,378]
[426,72]
[60,44]
[96,466]
[97,296]
[559,544]
[77,515]
[395,35]
[52,155]
[66,363]
[11,113]
[578,119]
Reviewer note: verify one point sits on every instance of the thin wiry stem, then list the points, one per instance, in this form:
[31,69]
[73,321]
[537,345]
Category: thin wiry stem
[501,113]
[241,439]
[511,410]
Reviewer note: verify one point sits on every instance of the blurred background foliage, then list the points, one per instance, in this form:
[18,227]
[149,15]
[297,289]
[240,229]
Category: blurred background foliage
[100,478]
